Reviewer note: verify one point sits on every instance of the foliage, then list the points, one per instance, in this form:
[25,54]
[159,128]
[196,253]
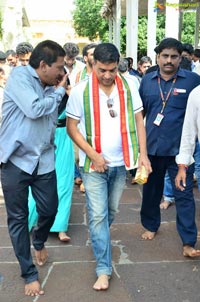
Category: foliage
[123,35]
[188,27]
[88,21]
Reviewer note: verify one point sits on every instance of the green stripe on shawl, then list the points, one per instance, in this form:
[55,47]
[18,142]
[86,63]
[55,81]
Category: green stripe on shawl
[84,73]
[131,120]
[88,127]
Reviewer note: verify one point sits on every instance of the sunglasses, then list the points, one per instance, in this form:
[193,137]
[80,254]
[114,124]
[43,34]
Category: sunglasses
[110,104]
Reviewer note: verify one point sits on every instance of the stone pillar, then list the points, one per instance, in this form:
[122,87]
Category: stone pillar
[151,30]
[132,29]
[172,19]
[117,24]
[197,28]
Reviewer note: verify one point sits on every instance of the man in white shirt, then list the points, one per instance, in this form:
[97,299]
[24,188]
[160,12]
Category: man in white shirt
[191,131]
[109,113]
[72,65]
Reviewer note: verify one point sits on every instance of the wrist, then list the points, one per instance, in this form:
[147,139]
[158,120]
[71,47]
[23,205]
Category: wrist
[182,166]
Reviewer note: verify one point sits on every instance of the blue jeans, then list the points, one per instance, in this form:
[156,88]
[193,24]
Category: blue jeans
[197,164]
[168,190]
[77,173]
[103,193]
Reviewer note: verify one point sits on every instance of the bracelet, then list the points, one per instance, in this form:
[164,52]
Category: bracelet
[182,165]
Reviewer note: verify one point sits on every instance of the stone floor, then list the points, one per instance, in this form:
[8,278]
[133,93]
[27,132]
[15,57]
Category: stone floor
[144,271]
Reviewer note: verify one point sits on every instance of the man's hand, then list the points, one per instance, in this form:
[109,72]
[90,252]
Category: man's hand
[99,164]
[180,180]
[143,160]
[63,82]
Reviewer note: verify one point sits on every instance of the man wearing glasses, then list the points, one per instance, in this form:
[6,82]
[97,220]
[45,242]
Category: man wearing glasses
[105,121]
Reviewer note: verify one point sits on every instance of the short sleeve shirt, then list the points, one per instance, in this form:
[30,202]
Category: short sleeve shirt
[111,144]
[164,140]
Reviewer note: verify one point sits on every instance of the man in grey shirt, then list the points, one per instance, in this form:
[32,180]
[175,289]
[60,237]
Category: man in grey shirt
[29,116]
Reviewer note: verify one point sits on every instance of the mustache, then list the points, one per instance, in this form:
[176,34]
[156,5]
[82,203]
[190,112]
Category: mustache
[168,64]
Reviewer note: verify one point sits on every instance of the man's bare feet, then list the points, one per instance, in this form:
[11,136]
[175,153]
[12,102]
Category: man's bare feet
[82,188]
[165,205]
[189,251]
[41,256]
[102,282]
[78,181]
[147,235]
[33,289]
[63,237]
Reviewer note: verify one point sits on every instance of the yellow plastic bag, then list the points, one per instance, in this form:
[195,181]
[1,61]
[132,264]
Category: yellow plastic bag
[141,176]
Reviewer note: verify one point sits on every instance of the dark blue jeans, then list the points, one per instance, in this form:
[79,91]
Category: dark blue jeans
[184,200]
[15,185]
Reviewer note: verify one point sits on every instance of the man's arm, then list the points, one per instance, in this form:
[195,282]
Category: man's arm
[188,140]
[141,132]
[99,163]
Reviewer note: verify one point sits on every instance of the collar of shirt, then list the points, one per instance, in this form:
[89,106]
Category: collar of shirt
[180,73]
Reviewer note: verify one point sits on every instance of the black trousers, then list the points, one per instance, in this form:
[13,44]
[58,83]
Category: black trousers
[184,200]
[15,185]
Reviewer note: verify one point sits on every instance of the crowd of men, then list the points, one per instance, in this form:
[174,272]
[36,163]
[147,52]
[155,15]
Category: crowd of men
[105,119]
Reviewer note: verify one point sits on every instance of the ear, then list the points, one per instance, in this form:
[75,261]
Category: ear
[43,66]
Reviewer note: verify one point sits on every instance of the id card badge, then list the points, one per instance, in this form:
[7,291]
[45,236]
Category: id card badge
[158,119]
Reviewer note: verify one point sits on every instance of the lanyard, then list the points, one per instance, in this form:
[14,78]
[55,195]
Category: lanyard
[164,100]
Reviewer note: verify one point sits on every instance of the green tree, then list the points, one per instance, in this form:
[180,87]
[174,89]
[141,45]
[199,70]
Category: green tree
[88,21]
[187,35]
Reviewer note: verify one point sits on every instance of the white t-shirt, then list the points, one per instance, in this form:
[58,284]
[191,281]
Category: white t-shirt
[191,129]
[111,143]
[77,67]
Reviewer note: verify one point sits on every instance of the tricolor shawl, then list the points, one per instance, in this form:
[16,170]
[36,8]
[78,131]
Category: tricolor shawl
[81,75]
[127,120]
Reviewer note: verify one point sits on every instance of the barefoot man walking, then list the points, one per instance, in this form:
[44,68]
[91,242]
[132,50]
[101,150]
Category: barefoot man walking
[105,121]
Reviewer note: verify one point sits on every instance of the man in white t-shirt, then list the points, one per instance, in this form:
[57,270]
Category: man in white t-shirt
[72,65]
[105,121]
[190,132]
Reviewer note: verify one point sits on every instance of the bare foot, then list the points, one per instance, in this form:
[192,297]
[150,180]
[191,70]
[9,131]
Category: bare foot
[33,289]
[82,188]
[63,237]
[189,251]
[41,256]
[147,235]
[165,205]
[102,282]
[78,181]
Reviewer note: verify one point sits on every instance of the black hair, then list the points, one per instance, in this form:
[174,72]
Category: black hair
[106,53]
[88,47]
[47,51]
[169,43]
[145,59]
[24,48]
[10,52]
[130,61]
[185,63]
[123,65]
[188,48]
[197,53]
[71,49]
